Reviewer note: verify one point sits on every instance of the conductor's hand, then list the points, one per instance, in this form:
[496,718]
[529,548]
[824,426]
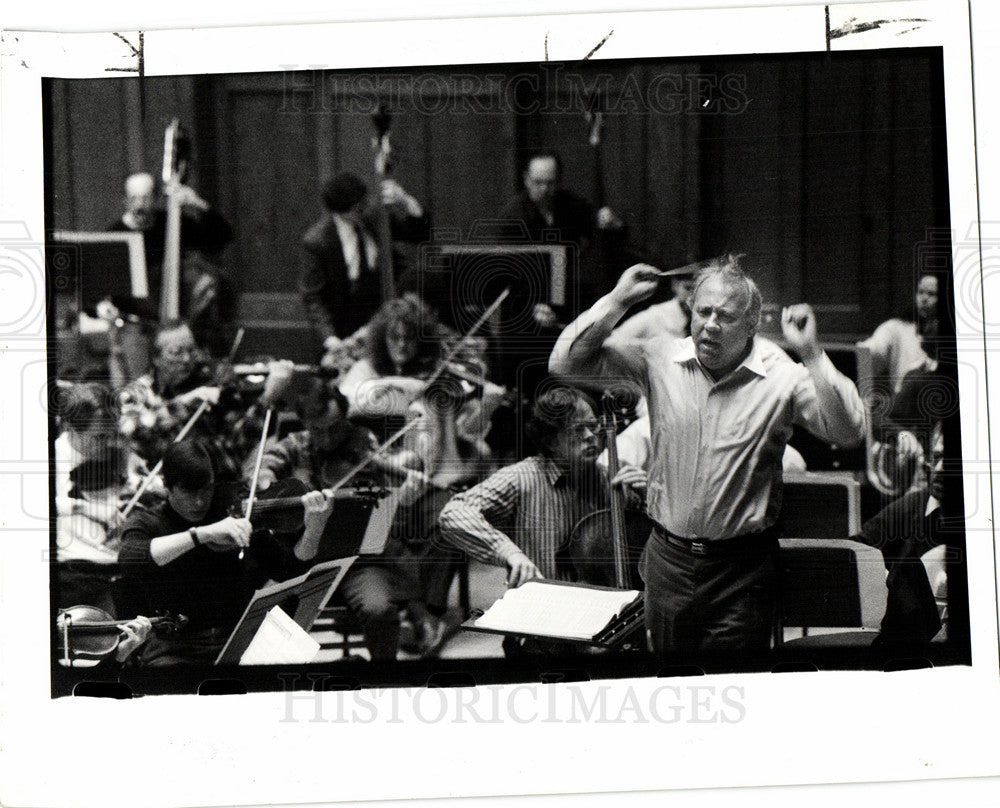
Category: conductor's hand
[226,534]
[317,511]
[798,325]
[636,284]
[521,569]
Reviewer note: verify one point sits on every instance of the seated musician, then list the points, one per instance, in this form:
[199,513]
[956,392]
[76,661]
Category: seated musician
[182,556]
[450,463]
[904,434]
[376,589]
[402,347]
[404,344]
[521,517]
[93,471]
[904,531]
[156,406]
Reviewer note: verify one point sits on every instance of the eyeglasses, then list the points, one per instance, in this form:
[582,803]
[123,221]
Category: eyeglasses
[177,353]
[583,429]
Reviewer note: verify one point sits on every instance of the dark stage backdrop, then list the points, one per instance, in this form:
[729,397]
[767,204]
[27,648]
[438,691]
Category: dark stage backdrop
[828,170]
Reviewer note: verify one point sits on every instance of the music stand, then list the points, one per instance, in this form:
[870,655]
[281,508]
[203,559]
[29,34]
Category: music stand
[309,592]
[99,265]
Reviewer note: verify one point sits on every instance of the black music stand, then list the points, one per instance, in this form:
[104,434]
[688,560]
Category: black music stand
[304,597]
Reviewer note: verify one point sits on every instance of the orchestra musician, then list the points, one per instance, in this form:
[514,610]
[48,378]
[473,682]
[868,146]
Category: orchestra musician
[338,281]
[376,589]
[182,556]
[403,344]
[208,298]
[94,468]
[722,405]
[521,516]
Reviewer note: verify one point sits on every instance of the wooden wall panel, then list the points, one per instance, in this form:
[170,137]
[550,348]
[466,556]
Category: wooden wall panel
[826,176]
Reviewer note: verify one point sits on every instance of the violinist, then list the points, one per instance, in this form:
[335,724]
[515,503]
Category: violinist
[93,470]
[376,589]
[522,515]
[182,556]
[155,405]
[402,347]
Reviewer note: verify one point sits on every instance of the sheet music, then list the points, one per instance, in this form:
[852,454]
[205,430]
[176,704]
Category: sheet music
[555,610]
[280,641]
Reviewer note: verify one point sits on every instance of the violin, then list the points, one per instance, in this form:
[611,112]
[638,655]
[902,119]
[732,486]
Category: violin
[604,547]
[279,508]
[87,634]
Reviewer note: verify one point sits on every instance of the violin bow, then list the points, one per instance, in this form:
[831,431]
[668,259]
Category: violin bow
[256,467]
[159,464]
[453,352]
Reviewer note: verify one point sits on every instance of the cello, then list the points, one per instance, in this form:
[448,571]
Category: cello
[604,547]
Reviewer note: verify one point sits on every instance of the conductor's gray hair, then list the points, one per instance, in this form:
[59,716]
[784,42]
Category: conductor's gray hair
[729,269]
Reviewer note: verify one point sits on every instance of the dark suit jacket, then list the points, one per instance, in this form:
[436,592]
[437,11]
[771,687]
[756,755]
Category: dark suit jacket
[336,306]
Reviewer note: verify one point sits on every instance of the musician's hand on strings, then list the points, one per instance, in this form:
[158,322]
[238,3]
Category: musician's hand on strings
[135,631]
[633,481]
[393,194]
[636,284]
[188,198]
[203,294]
[908,448]
[798,326]
[521,569]
[226,534]
[607,219]
[318,508]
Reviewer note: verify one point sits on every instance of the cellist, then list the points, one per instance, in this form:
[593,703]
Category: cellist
[521,517]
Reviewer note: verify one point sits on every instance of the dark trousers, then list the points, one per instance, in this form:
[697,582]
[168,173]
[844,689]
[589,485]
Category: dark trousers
[375,592]
[709,602]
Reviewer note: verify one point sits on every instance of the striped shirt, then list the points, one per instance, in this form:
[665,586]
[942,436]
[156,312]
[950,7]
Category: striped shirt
[530,507]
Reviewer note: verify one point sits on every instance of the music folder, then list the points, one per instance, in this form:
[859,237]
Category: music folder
[565,611]
[305,596]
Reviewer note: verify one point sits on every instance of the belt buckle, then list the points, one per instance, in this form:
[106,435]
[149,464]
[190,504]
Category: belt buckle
[699,548]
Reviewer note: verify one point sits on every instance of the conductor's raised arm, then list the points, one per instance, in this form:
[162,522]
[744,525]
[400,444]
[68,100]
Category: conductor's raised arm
[583,349]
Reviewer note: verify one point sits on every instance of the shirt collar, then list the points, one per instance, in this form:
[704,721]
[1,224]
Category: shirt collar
[753,361]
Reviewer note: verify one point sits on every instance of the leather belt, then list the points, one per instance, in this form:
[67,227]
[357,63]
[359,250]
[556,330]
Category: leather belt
[737,545]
